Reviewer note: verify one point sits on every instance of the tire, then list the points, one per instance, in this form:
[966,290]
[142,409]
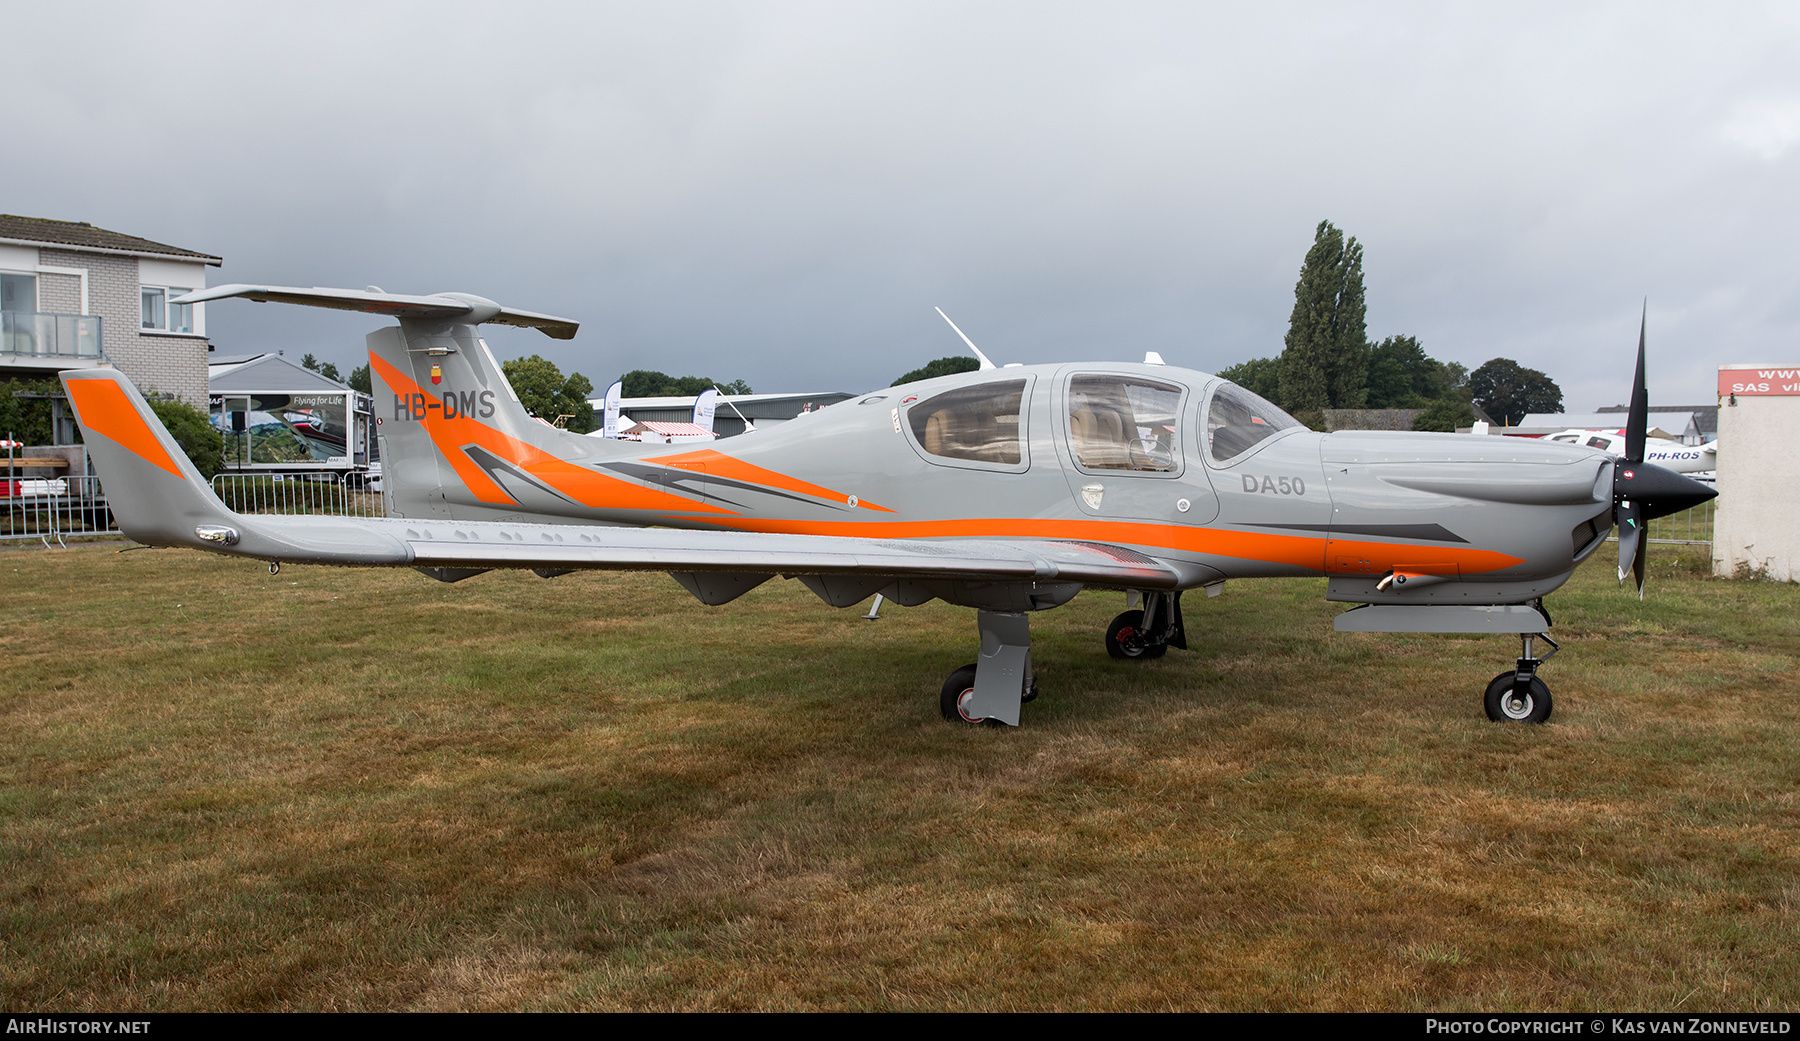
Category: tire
[1123,642]
[958,689]
[1537,704]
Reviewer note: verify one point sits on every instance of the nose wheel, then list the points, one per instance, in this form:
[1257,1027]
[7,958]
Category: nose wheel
[1518,696]
[1507,705]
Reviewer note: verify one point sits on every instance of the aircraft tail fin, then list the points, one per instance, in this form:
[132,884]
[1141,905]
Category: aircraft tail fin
[456,441]
[153,489]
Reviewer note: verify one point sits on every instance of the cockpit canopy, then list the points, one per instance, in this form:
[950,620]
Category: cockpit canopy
[1237,421]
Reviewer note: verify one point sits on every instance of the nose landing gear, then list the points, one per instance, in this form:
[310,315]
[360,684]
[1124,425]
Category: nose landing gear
[1519,696]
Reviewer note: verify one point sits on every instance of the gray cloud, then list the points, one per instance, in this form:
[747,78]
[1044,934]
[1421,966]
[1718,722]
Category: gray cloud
[781,192]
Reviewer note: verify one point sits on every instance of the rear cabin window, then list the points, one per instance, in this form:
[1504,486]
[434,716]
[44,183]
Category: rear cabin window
[1237,421]
[980,424]
[1124,423]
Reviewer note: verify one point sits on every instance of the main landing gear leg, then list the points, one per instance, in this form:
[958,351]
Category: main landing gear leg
[991,690]
[1519,696]
[1149,633]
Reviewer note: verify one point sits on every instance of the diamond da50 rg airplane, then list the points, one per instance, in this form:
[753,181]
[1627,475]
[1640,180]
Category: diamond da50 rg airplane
[1007,490]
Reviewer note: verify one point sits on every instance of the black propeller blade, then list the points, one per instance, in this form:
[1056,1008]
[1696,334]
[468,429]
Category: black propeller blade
[1637,423]
[1644,491]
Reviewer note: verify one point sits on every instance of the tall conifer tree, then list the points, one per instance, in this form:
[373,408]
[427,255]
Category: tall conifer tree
[1325,363]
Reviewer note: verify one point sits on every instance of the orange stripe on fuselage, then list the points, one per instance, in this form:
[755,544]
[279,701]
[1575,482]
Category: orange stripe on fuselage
[1297,550]
[736,469]
[103,408]
[577,482]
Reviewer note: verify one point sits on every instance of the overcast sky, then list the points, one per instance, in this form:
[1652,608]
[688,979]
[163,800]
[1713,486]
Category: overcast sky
[782,192]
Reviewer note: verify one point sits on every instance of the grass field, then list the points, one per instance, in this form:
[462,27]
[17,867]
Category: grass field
[335,789]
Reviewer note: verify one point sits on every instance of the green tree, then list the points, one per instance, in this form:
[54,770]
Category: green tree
[193,430]
[1445,415]
[26,419]
[1325,362]
[1401,374]
[547,395]
[648,383]
[1509,392]
[360,380]
[941,367]
[329,369]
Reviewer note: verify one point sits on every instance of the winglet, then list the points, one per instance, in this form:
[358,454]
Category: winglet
[457,306]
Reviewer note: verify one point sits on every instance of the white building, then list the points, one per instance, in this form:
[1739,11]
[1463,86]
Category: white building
[1757,527]
[76,296]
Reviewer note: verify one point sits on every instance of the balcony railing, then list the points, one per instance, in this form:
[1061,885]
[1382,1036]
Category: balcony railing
[35,334]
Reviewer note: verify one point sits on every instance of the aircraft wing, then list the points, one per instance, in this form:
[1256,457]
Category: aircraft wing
[481,545]
[436,305]
[159,499]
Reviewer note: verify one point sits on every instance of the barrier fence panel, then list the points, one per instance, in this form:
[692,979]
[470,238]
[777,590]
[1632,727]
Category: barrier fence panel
[1690,527]
[52,510]
[305,493]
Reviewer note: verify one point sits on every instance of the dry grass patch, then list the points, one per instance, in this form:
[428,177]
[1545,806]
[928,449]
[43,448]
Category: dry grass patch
[362,789]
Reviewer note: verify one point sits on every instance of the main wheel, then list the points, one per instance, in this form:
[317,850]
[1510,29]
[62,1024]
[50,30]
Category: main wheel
[959,690]
[1503,706]
[1125,639]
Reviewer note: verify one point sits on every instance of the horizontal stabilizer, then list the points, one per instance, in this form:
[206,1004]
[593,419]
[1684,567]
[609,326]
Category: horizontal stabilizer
[456,306]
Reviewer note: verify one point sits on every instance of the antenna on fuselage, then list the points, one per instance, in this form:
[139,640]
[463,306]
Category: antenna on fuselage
[985,363]
[749,427]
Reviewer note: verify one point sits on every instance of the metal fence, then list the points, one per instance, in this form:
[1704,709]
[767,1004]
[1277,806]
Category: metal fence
[52,509]
[302,493]
[1690,527]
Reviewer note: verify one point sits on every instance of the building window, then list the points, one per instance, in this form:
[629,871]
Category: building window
[18,292]
[159,314]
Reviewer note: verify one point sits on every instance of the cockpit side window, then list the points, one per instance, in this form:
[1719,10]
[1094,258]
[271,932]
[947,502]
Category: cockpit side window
[1124,423]
[1237,421]
[981,423]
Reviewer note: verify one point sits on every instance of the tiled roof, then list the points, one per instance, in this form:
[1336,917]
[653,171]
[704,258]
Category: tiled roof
[83,235]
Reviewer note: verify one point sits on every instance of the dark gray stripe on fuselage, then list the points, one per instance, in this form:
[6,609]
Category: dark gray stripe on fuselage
[660,475]
[1419,532]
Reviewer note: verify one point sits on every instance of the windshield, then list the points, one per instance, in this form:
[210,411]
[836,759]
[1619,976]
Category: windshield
[1237,421]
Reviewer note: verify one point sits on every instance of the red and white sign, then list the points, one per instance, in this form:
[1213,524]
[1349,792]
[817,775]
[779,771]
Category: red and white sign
[1758,380]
